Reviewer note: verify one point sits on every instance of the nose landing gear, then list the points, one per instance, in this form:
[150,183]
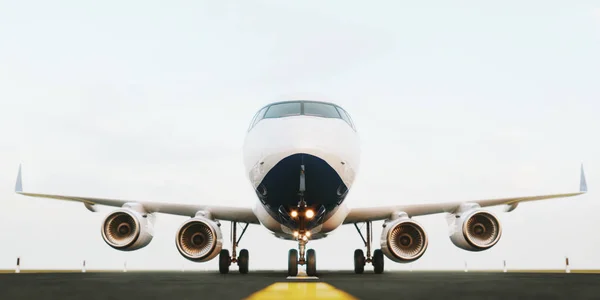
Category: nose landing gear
[303,214]
[310,259]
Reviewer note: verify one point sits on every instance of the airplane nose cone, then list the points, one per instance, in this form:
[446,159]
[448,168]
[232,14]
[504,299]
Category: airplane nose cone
[316,136]
[272,140]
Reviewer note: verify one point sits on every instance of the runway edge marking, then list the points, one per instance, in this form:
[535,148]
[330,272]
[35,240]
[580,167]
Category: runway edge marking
[301,290]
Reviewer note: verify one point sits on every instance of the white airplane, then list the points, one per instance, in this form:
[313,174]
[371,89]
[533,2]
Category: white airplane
[301,158]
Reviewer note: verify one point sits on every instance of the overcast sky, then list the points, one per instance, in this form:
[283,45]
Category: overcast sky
[151,101]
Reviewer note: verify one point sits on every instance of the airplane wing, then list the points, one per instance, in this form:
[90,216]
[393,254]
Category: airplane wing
[357,215]
[225,213]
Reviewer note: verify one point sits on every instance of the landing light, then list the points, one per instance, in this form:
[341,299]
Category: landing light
[294,213]
[310,213]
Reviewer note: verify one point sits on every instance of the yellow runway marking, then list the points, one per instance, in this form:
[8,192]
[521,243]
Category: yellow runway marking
[300,290]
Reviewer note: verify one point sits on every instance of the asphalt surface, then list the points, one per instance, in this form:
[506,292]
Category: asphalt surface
[212,285]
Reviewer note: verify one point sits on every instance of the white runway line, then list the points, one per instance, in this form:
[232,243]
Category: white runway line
[302,276]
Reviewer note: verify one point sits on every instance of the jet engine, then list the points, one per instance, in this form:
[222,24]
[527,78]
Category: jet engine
[199,239]
[475,230]
[403,240]
[126,229]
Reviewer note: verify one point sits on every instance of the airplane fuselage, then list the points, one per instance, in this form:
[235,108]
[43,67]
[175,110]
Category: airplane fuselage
[275,149]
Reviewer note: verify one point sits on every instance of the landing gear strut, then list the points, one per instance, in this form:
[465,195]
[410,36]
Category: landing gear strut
[303,213]
[242,260]
[308,258]
[359,257]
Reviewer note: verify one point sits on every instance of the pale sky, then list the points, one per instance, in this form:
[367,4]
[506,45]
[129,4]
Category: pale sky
[151,101]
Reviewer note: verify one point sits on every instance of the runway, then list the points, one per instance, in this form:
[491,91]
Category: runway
[274,285]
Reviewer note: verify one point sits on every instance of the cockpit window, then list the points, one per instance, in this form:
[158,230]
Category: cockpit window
[345,116]
[284,110]
[320,110]
[259,115]
[307,108]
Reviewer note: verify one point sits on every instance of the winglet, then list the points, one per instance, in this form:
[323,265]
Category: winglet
[582,183]
[19,184]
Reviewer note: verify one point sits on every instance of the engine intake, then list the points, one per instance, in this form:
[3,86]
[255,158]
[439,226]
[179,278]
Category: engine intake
[403,240]
[127,230]
[476,230]
[199,239]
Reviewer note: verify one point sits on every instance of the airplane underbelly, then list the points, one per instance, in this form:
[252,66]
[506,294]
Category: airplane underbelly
[281,231]
[278,194]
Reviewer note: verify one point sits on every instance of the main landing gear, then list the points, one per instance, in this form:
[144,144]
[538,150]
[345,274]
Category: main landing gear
[303,214]
[359,257]
[242,260]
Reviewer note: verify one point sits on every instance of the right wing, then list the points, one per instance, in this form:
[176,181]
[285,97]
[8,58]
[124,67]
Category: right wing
[225,213]
[365,214]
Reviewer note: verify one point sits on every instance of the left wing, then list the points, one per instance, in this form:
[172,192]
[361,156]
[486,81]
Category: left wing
[357,215]
[225,213]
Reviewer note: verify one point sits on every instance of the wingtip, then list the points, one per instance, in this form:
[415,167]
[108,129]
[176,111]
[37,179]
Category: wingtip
[582,183]
[19,184]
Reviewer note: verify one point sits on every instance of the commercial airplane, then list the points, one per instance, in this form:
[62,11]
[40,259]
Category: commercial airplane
[301,158]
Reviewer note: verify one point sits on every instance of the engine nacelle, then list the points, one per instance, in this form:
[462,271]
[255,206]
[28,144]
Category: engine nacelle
[126,229]
[403,240]
[475,230]
[199,239]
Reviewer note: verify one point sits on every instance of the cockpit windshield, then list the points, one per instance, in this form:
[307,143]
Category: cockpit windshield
[297,108]
[321,110]
[284,110]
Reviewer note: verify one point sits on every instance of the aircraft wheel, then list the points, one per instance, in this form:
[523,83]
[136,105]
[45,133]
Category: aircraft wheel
[311,262]
[224,261]
[293,262]
[242,261]
[359,261]
[378,261]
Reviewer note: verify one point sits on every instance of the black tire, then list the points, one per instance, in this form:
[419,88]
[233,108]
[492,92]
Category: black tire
[224,261]
[378,261]
[293,262]
[311,262]
[243,261]
[359,261]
